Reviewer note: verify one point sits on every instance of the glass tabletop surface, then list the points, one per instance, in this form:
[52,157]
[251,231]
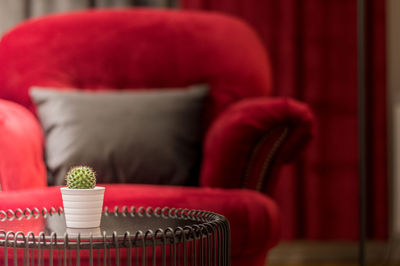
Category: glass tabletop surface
[109,223]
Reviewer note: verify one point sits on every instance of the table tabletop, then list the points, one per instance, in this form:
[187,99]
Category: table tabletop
[198,234]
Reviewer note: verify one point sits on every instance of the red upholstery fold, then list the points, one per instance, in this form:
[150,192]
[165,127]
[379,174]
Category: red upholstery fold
[21,148]
[249,134]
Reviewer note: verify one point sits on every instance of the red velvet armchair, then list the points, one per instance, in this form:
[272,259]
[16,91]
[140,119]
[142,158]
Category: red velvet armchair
[248,134]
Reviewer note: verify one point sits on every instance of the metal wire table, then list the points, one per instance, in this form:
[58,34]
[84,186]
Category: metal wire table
[129,236]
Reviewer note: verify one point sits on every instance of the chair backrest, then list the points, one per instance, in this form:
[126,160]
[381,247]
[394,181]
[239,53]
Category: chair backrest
[135,48]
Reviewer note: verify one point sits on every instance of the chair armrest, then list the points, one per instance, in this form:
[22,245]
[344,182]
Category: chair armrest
[21,148]
[247,144]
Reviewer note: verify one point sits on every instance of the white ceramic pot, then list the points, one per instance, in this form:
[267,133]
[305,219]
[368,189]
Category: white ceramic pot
[84,232]
[83,207]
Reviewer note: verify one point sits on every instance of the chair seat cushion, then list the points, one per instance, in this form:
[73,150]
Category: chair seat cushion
[253,217]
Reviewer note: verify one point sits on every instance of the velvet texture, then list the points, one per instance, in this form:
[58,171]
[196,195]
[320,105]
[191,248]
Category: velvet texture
[21,148]
[135,49]
[313,51]
[245,132]
[250,138]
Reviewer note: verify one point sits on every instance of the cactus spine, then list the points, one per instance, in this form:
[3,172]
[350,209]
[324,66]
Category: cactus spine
[81,177]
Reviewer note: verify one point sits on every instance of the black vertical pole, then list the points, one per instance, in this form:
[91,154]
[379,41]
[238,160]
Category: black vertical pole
[171,3]
[27,8]
[362,127]
[92,3]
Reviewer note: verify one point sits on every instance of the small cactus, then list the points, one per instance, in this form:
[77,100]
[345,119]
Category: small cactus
[81,177]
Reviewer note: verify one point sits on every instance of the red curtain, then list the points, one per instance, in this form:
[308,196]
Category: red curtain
[312,45]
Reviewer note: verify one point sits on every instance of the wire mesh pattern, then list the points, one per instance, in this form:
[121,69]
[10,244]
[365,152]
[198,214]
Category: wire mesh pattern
[130,236]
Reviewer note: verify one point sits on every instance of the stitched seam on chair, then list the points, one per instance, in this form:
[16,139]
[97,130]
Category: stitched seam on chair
[252,156]
[267,162]
[268,159]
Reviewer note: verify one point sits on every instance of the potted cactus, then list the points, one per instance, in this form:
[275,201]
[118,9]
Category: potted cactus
[82,199]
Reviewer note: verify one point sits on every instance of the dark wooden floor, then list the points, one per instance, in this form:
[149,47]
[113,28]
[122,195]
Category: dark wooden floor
[330,264]
[313,253]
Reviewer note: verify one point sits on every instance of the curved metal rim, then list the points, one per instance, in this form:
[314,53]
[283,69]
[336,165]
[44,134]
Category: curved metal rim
[208,221]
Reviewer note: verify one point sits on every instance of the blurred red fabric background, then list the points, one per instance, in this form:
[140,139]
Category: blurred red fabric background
[312,45]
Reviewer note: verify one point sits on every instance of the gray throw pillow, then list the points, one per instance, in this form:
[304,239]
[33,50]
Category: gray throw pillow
[130,136]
